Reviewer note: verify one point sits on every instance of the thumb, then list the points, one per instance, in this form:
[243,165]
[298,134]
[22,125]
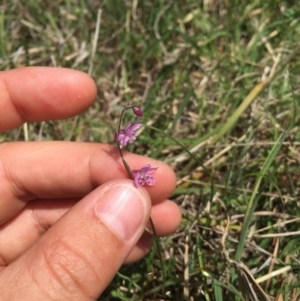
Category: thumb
[78,257]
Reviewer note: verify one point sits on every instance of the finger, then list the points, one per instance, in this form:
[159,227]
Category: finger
[166,217]
[43,93]
[67,170]
[26,228]
[78,257]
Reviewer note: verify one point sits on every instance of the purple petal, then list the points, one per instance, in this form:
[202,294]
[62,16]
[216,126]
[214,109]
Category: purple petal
[144,176]
[148,169]
[123,138]
[133,127]
[150,181]
[127,127]
[139,182]
[128,135]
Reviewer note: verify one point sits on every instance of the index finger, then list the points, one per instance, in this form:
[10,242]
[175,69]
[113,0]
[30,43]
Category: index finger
[43,93]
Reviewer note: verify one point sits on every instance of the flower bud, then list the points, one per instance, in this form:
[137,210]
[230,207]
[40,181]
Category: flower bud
[137,111]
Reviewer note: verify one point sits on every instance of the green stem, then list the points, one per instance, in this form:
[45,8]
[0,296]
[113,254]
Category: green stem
[129,172]
[156,241]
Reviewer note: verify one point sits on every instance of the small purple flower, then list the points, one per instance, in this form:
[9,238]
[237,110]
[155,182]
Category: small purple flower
[137,111]
[127,135]
[144,176]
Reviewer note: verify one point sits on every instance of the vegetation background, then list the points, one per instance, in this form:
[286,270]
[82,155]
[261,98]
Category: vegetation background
[219,83]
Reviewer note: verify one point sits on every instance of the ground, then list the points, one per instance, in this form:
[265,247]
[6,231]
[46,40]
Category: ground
[219,85]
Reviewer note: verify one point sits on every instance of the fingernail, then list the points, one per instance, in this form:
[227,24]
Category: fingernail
[123,209]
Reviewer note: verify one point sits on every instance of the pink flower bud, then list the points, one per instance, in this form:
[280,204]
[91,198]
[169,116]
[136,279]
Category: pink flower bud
[137,111]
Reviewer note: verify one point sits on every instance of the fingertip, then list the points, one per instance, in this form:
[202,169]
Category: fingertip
[141,249]
[79,85]
[168,176]
[167,215]
[165,181]
[43,93]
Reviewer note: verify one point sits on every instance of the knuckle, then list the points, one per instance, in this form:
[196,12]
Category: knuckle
[69,270]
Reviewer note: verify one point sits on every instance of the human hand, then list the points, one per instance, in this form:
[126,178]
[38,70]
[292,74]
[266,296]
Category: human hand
[69,216]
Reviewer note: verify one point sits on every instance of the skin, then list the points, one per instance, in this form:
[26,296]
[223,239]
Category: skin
[54,244]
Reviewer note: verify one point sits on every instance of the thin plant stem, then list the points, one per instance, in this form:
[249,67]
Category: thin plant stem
[122,114]
[129,172]
[156,241]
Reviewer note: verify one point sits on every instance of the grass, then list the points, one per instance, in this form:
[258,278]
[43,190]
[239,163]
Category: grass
[219,84]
